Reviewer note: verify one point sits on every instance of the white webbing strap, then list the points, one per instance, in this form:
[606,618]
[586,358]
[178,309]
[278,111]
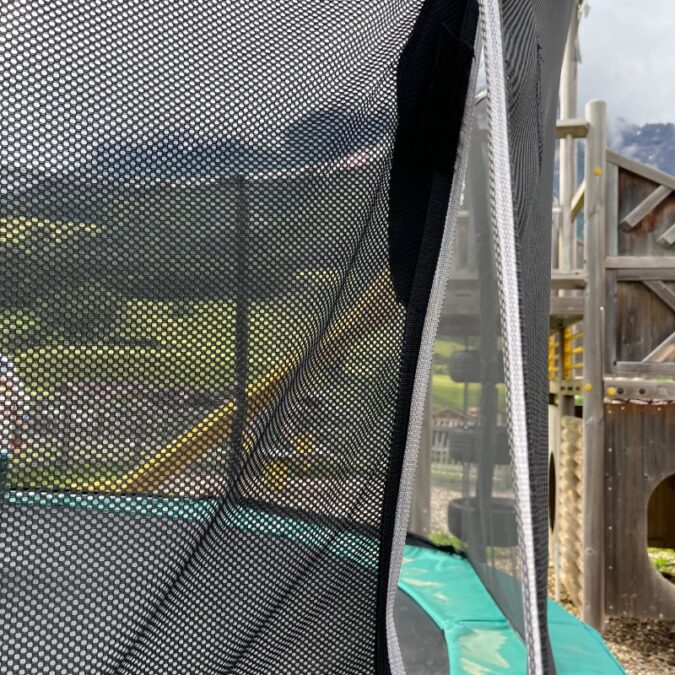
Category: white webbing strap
[502,213]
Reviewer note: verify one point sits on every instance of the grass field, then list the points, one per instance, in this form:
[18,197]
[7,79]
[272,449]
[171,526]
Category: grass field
[160,344]
[167,344]
[191,344]
[446,393]
[663,560]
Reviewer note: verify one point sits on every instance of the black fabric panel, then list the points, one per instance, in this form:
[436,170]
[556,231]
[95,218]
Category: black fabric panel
[416,226]
[432,77]
[534,35]
[438,137]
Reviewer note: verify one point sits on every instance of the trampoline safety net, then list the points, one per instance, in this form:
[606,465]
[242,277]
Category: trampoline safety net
[222,231]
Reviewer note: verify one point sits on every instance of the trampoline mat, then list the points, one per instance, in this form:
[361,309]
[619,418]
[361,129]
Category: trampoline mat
[78,602]
[101,604]
[129,617]
[422,643]
[478,636]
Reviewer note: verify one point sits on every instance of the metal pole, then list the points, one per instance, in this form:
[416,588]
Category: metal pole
[241,337]
[594,316]
[420,516]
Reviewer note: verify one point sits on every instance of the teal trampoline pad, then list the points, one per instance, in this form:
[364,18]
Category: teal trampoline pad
[478,637]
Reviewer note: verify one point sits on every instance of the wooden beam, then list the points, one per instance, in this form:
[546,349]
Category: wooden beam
[637,274]
[567,306]
[578,200]
[668,237]
[556,229]
[574,127]
[640,262]
[643,369]
[594,409]
[662,292]
[654,175]
[611,248]
[567,280]
[662,353]
[568,129]
[645,207]
[566,387]
[633,388]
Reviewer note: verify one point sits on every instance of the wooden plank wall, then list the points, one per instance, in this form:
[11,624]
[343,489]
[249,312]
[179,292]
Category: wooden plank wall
[642,321]
[639,435]
[639,455]
[643,239]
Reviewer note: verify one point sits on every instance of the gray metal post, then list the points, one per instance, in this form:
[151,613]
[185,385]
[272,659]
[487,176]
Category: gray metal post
[594,311]
[420,515]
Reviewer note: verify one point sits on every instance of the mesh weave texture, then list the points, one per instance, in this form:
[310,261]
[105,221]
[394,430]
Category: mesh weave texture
[218,230]
[472,463]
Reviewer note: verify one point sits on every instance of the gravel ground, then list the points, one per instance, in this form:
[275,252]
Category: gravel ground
[642,647]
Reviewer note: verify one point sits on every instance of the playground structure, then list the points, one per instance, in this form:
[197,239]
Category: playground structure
[611,372]
[612,388]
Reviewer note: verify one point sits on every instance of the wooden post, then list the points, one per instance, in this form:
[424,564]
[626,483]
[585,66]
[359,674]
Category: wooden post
[611,249]
[566,242]
[568,151]
[554,455]
[594,314]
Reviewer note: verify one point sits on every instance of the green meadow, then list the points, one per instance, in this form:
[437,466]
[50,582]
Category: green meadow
[164,343]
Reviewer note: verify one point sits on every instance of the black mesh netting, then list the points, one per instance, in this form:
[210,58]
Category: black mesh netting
[218,230]
[470,460]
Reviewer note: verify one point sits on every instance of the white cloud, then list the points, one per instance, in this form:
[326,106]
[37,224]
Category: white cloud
[628,58]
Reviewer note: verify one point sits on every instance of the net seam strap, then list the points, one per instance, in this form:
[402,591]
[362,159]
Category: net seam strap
[502,213]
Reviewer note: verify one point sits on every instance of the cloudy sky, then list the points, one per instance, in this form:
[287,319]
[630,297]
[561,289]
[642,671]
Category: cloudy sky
[628,58]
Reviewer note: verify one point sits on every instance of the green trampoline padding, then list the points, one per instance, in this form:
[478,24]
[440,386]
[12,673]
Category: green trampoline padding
[357,548]
[174,508]
[478,637]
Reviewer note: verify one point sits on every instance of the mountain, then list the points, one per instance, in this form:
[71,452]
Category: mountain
[320,137]
[651,144]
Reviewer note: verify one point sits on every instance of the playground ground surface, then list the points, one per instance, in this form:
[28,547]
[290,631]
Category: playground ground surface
[643,647]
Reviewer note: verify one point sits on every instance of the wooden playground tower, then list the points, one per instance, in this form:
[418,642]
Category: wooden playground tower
[612,371]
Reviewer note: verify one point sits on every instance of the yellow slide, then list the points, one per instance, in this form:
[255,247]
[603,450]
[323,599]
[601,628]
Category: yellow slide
[366,316]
